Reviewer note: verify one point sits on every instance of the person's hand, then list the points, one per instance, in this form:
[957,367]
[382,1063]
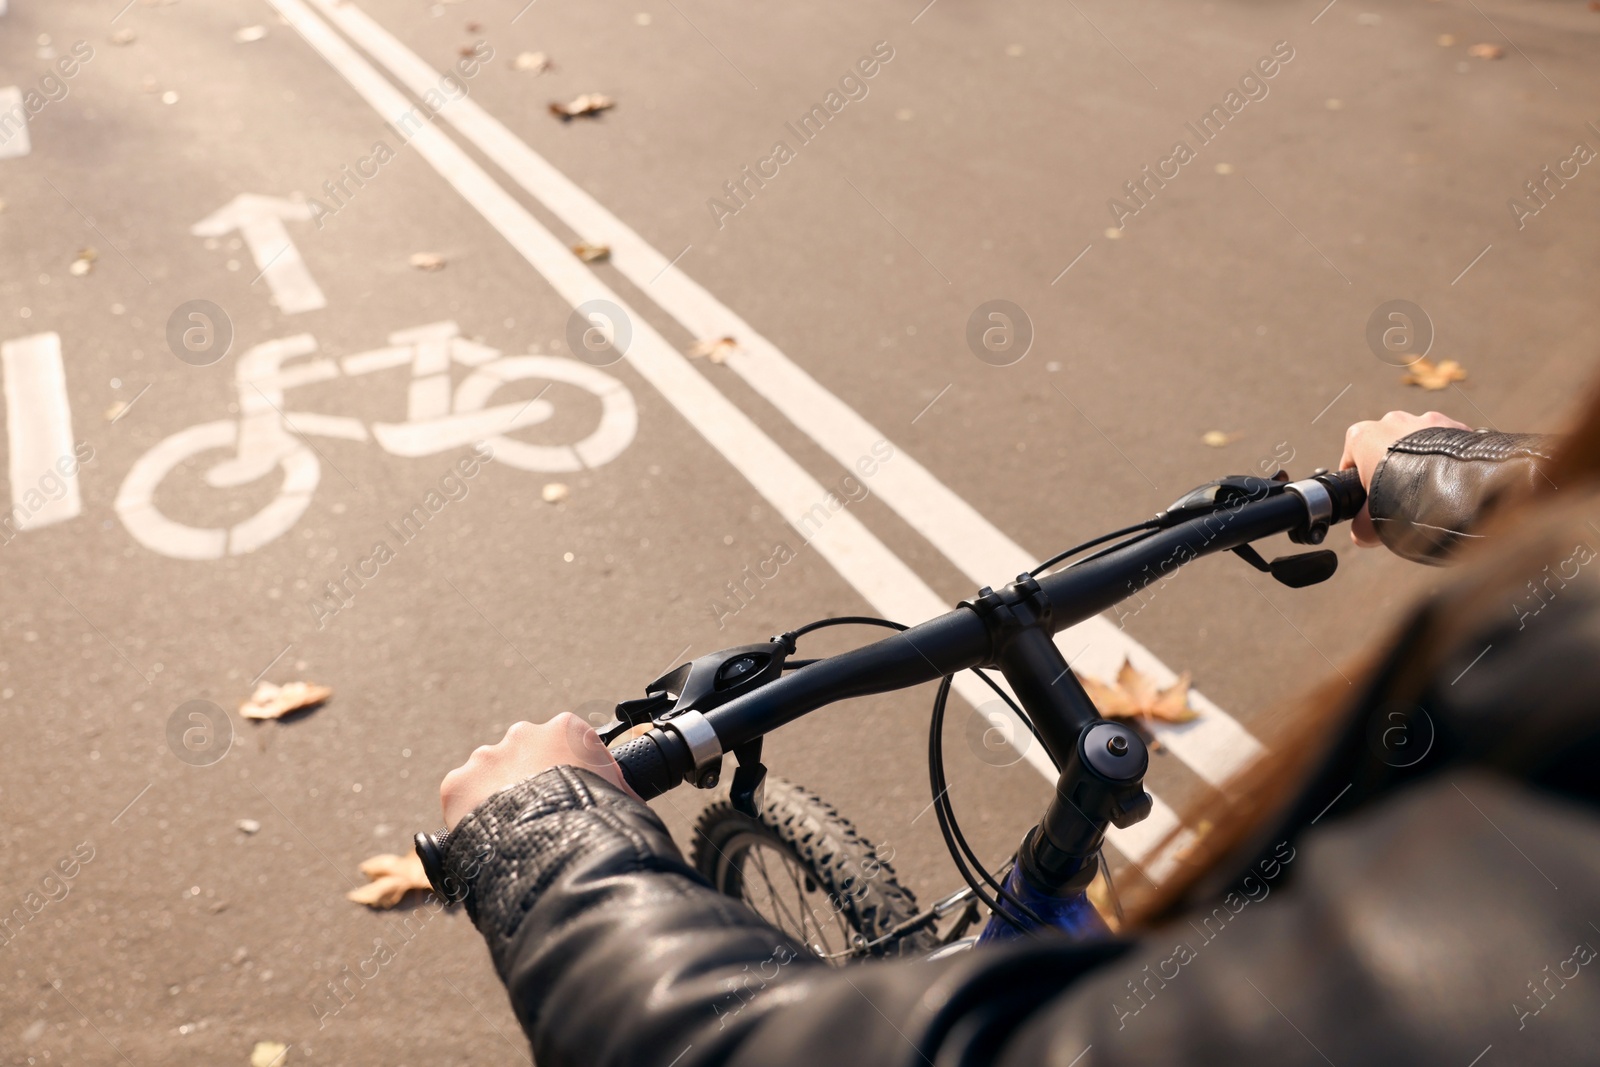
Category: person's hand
[526,750]
[1365,445]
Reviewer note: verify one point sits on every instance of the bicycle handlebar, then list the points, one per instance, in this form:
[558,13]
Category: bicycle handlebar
[958,640]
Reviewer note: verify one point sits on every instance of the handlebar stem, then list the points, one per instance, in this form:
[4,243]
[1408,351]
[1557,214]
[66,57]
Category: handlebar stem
[1094,788]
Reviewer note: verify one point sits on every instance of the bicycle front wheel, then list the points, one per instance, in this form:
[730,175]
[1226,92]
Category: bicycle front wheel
[801,866]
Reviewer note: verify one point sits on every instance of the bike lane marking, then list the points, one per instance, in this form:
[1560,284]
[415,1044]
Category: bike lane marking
[39,428]
[876,573]
[1214,744]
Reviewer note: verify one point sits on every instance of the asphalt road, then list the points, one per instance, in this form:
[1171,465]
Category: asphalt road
[981,159]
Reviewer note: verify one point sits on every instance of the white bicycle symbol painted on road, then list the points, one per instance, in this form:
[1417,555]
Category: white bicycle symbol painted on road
[267,437]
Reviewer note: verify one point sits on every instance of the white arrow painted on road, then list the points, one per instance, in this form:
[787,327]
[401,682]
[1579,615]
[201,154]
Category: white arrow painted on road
[259,220]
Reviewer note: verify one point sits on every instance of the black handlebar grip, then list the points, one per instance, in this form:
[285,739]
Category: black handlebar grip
[645,767]
[1347,492]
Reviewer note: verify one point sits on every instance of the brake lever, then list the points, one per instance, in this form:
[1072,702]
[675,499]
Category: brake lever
[1297,571]
[633,713]
[703,683]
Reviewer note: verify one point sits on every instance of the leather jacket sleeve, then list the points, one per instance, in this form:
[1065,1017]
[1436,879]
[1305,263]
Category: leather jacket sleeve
[1434,485]
[1409,909]
[1407,934]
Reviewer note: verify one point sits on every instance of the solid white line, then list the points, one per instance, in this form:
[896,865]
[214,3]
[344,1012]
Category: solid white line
[39,425]
[14,143]
[1213,744]
[878,575]
[859,557]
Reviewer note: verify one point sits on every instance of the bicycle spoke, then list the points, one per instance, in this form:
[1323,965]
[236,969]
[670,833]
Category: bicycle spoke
[799,926]
[800,896]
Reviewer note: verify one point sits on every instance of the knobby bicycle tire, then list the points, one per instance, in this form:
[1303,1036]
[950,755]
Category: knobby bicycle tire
[858,885]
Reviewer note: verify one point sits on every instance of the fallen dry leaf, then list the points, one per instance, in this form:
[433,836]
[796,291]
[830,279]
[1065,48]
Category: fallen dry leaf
[269,1054]
[1426,373]
[392,877]
[427,261]
[716,349]
[1219,439]
[249,34]
[532,62]
[554,493]
[275,701]
[1486,51]
[587,104]
[1135,696]
[591,253]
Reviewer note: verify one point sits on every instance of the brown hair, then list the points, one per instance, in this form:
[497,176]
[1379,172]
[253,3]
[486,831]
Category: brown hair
[1521,530]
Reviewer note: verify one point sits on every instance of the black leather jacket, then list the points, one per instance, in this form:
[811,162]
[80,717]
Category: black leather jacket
[1438,913]
[1434,484]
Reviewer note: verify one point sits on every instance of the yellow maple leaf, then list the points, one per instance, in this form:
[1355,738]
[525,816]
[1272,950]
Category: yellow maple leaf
[716,349]
[1135,696]
[275,701]
[392,878]
[1429,375]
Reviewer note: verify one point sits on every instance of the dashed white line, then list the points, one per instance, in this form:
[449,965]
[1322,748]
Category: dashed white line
[43,465]
[14,142]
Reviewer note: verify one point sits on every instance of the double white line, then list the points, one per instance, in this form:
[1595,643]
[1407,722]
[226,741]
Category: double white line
[1214,745]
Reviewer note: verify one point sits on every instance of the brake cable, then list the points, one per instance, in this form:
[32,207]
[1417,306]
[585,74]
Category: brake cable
[1148,524]
[955,841]
[960,850]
